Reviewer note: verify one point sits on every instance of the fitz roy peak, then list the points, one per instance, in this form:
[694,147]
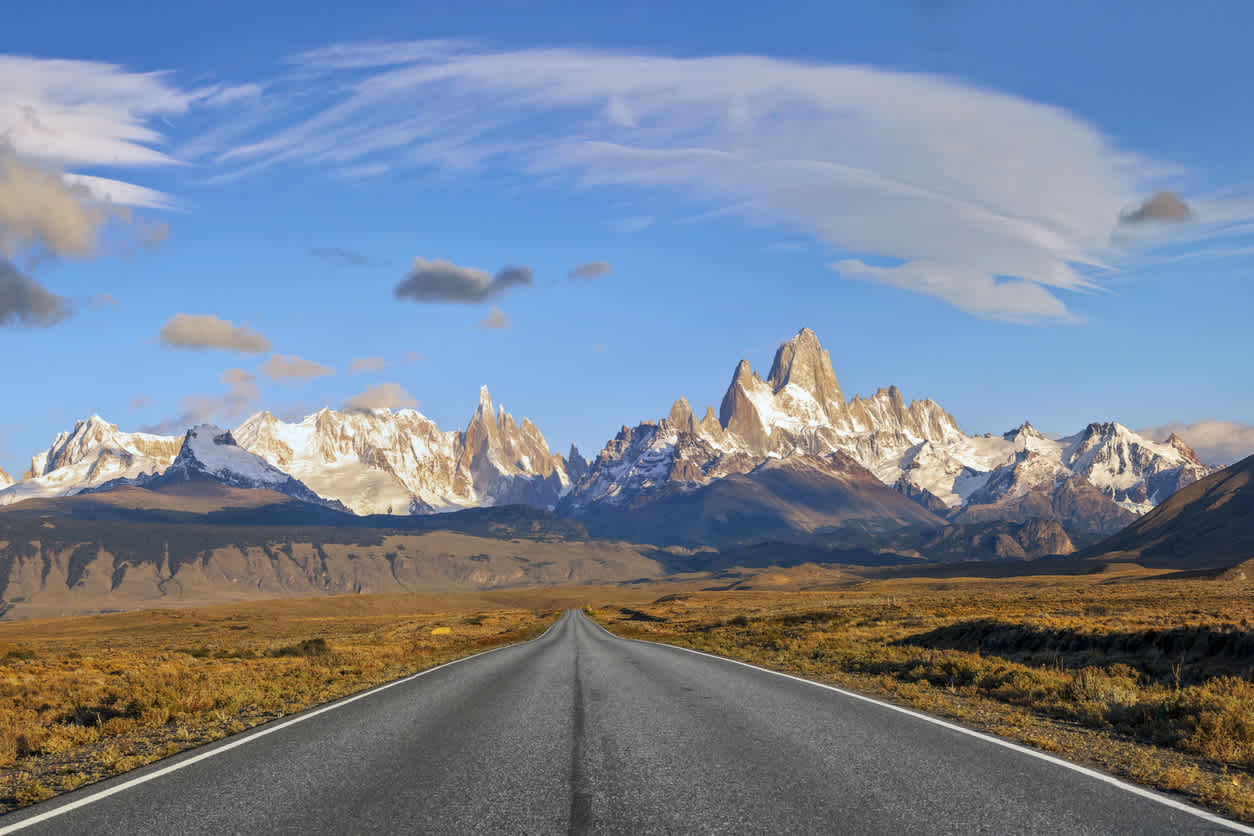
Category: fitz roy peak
[381,461]
[1096,481]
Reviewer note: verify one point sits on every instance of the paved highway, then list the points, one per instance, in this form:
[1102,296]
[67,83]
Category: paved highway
[582,732]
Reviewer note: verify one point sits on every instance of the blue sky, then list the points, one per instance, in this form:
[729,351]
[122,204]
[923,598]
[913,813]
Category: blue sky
[935,188]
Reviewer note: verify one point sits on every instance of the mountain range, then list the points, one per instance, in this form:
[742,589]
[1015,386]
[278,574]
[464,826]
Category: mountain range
[1209,524]
[785,454]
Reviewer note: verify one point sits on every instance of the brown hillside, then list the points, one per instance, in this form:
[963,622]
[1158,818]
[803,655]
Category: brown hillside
[1209,524]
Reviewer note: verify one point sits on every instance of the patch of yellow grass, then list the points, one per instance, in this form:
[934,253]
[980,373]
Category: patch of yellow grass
[1143,675]
[88,697]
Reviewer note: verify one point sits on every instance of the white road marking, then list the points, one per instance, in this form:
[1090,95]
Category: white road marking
[1234,826]
[245,737]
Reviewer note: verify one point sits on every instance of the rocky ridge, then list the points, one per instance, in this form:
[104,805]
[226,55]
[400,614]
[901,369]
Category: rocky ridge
[209,453]
[1096,481]
[93,453]
[381,461]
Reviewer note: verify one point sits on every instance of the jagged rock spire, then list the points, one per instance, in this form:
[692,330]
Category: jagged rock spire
[804,363]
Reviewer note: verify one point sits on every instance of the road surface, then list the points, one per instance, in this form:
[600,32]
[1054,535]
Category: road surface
[582,732]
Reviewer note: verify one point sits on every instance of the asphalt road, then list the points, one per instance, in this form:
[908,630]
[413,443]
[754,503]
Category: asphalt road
[581,732]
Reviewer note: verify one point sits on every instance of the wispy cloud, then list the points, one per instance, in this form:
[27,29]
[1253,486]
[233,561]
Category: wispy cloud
[443,281]
[919,169]
[221,95]
[926,175]
[976,293]
[70,114]
[203,331]
[86,112]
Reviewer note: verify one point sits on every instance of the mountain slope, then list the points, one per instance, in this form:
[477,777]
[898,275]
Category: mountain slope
[1093,482]
[210,454]
[383,462]
[1207,524]
[93,453]
[373,461]
[63,566]
[779,498]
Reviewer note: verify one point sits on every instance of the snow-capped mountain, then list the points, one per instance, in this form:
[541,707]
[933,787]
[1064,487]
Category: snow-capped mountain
[210,453]
[374,461]
[1133,471]
[384,462]
[93,453]
[798,409]
[380,461]
[1112,472]
[5,479]
[502,462]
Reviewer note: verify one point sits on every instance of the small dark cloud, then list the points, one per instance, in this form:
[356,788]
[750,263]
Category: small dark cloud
[1164,206]
[443,281]
[496,320]
[102,301]
[591,270]
[341,255]
[24,301]
[140,402]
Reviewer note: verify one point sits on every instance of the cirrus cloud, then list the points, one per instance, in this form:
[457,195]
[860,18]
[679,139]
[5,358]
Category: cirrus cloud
[990,190]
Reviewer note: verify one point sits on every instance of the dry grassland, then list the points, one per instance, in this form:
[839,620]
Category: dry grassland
[88,697]
[1137,673]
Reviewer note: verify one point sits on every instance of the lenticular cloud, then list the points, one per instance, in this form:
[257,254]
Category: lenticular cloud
[1007,199]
